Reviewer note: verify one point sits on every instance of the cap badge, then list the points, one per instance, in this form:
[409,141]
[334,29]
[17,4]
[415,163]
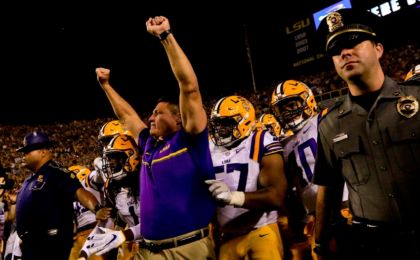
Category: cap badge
[334,21]
[408,106]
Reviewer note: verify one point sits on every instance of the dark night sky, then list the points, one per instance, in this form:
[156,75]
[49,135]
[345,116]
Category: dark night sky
[50,53]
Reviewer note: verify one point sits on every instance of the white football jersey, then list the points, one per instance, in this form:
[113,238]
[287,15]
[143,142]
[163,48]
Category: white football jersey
[128,207]
[95,180]
[13,250]
[303,145]
[2,218]
[239,168]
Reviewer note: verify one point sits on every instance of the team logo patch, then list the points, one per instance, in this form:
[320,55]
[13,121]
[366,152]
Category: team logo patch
[408,106]
[166,147]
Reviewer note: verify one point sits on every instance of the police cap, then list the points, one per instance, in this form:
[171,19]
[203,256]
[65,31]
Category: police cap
[345,28]
[34,141]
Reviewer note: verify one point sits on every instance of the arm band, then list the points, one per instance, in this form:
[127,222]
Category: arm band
[165,34]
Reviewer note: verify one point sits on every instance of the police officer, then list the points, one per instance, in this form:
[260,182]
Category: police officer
[372,142]
[44,209]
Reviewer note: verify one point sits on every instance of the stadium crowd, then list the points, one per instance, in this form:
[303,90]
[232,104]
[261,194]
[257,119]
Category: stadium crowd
[77,140]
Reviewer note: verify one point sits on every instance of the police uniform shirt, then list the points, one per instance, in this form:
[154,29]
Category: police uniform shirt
[45,203]
[377,152]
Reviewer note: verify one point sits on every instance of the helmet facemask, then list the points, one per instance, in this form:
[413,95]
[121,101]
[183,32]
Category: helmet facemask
[293,104]
[115,165]
[292,113]
[120,157]
[224,131]
[231,120]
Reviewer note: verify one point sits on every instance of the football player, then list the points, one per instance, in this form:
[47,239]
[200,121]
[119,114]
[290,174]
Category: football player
[294,106]
[122,187]
[250,182]
[108,131]
[11,248]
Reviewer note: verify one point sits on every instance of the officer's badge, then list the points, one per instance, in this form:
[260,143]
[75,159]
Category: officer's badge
[408,106]
[334,21]
[39,183]
[40,178]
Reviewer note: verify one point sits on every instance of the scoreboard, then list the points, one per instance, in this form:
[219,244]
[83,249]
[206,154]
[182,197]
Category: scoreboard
[300,33]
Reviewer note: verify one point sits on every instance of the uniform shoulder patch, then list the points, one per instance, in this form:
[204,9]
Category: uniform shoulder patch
[59,167]
[72,174]
[323,114]
[334,106]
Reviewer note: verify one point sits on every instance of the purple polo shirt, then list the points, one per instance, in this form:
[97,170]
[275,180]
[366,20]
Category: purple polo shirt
[174,198]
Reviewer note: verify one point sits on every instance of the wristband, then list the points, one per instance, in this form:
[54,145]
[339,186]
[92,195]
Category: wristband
[165,34]
[98,207]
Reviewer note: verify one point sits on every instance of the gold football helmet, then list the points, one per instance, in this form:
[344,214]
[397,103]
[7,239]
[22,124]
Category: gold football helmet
[122,156]
[231,119]
[81,171]
[271,124]
[109,130]
[293,103]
